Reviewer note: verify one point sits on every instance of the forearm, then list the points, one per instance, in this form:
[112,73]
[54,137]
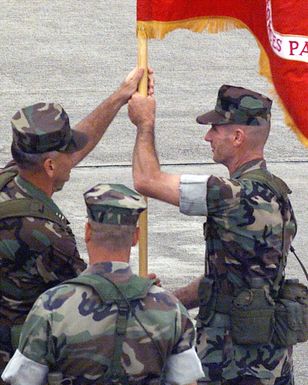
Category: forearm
[145,160]
[188,295]
[96,123]
[149,180]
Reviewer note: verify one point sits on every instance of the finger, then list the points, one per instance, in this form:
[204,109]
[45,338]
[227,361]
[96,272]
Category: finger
[150,87]
[151,80]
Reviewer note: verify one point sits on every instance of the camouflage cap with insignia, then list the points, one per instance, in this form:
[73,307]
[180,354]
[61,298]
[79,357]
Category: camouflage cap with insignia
[45,127]
[238,105]
[114,204]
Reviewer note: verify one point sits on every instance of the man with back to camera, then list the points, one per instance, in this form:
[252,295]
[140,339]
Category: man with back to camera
[249,229]
[37,247]
[107,325]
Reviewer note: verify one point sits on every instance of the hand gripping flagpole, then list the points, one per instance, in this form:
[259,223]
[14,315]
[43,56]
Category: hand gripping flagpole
[143,220]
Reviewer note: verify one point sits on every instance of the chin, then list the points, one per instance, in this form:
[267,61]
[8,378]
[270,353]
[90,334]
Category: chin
[218,160]
[59,187]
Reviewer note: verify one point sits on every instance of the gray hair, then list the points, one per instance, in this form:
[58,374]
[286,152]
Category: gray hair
[30,162]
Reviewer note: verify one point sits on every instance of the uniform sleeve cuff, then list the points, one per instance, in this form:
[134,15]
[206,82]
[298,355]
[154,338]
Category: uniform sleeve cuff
[193,191]
[183,368]
[22,371]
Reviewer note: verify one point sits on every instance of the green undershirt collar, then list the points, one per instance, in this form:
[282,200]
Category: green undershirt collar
[36,193]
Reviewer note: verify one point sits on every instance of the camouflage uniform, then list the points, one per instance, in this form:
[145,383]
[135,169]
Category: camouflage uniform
[243,242]
[72,331]
[35,254]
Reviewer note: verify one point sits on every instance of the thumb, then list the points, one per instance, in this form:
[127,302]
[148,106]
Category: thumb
[139,73]
[135,74]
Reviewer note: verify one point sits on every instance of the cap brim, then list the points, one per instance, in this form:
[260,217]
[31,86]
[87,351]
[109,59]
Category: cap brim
[77,143]
[212,117]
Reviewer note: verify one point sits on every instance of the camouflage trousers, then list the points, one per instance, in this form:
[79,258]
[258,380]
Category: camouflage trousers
[226,363]
[248,380]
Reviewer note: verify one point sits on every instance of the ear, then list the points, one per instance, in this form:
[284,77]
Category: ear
[136,237]
[88,232]
[49,167]
[238,136]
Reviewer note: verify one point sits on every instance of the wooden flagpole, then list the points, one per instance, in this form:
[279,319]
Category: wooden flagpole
[143,220]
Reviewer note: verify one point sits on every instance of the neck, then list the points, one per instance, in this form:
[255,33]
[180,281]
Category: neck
[239,161]
[38,179]
[99,254]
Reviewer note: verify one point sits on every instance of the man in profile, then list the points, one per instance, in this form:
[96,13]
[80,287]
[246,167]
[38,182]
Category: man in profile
[249,229]
[37,247]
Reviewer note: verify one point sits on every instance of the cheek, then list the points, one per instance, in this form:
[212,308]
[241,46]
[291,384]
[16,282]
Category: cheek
[64,170]
[67,166]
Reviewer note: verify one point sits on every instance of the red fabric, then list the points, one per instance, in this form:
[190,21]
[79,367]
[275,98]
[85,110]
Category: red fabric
[290,77]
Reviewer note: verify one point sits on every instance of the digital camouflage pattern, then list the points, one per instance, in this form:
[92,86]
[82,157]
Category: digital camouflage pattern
[238,105]
[114,204]
[69,324]
[35,254]
[244,240]
[45,127]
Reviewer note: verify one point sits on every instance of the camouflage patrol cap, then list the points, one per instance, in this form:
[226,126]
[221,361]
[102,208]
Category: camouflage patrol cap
[45,127]
[114,204]
[238,105]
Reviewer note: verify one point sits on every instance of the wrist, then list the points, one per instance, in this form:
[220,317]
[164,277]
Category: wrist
[119,98]
[123,94]
[146,126]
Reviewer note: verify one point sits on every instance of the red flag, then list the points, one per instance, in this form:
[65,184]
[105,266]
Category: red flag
[281,30]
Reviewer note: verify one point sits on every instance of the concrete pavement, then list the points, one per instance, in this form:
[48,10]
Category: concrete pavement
[77,53]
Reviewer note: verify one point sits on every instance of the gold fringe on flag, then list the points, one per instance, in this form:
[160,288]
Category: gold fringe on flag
[158,30]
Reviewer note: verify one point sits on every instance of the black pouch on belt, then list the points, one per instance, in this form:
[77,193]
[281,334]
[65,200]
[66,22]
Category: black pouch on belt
[291,314]
[252,317]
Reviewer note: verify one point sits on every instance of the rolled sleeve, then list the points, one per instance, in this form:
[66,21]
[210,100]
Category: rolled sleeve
[22,371]
[193,192]
[184,368]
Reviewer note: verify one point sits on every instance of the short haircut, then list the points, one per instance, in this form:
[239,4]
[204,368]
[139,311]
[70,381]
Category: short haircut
[258,134]
[30,162]
[112,237]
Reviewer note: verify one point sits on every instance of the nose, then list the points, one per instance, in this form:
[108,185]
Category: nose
[207,136]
